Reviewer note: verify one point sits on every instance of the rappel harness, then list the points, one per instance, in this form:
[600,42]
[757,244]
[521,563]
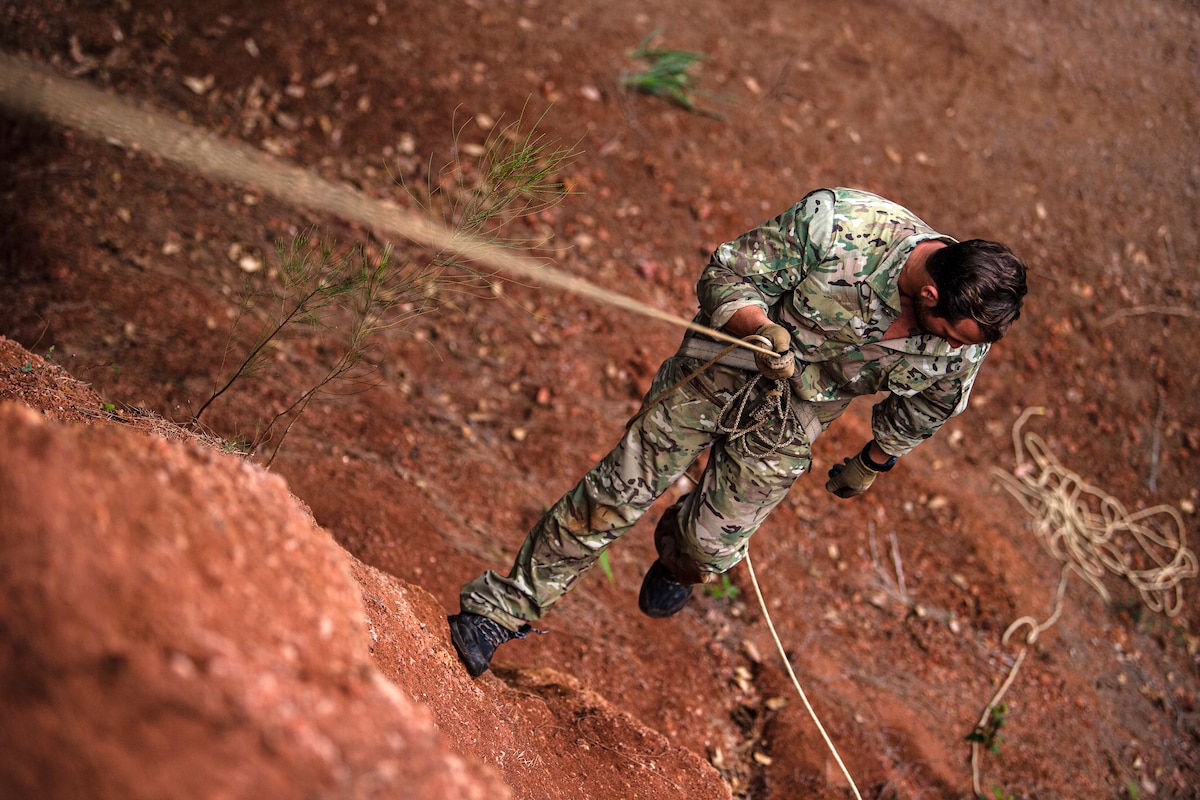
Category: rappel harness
[740,415]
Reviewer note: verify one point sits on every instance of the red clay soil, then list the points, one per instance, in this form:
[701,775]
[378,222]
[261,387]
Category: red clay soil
[297,646]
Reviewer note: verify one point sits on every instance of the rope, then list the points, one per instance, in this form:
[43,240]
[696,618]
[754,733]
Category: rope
[736,408]
[1035,630]
[1084,528]
[652,402]
[731,420]
[795,681]
[1090,531]
[777,404]
[33,90]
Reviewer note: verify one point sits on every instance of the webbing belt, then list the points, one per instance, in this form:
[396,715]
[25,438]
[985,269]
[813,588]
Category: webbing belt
[707,349]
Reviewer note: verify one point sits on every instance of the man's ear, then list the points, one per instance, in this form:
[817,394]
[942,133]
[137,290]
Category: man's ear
[929,293]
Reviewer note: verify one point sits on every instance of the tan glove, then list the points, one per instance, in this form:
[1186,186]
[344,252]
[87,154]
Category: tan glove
[855,475]
[776,337]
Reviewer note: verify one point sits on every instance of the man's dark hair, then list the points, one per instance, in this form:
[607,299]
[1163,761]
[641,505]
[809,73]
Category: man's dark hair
[979,280]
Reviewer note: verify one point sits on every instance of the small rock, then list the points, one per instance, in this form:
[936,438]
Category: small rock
[249,263]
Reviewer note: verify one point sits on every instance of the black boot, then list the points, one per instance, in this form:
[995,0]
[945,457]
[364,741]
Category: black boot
[662,593]
[476,638]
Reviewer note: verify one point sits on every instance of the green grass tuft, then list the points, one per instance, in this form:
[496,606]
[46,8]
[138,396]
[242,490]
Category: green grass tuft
[666,75]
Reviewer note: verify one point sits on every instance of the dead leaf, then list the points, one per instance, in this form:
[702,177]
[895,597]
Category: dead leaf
[200,86]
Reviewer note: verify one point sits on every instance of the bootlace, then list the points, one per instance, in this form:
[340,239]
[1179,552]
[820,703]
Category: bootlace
[496,634]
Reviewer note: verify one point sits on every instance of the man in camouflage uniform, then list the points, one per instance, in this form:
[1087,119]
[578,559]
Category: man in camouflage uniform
[855,296]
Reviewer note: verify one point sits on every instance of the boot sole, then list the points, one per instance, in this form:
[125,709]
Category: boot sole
[657,610]
[475,665]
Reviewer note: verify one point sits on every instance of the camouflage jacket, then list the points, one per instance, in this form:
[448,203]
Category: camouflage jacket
[827,270]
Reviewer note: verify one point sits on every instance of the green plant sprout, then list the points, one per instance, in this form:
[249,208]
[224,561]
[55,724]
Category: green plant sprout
[351,299]
[666,74]
[988,735]
[606,568]
[516,176]
[321,292]
[725,589]
[28,367]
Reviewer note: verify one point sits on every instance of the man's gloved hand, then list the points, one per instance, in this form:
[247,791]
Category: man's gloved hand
[855,475]
[776,337]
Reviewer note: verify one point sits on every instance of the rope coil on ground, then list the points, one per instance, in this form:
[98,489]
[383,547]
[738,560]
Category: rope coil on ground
[1088,530]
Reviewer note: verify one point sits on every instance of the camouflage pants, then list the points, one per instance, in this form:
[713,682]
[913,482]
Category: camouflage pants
[704,534]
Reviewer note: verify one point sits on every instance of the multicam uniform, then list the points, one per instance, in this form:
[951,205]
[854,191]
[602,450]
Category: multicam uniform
[826,269]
